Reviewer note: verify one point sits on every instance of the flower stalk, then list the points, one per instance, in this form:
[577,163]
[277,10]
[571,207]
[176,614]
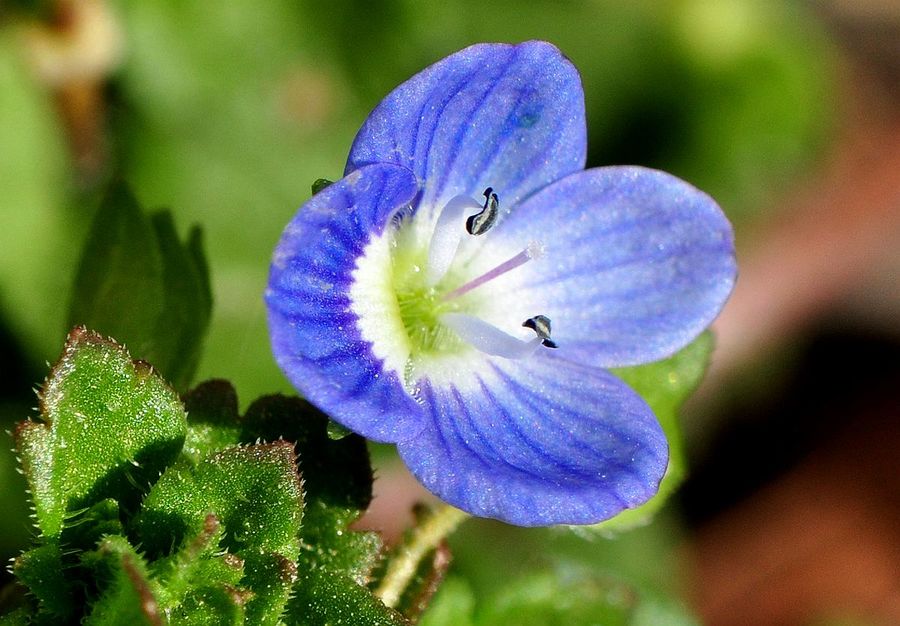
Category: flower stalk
[422,540]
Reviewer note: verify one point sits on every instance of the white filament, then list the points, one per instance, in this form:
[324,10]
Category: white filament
[487,338]
[448,231]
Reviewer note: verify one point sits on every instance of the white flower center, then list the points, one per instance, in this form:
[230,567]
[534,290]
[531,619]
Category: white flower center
[431,290]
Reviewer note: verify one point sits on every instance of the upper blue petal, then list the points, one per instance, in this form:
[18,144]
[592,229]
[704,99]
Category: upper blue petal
[637,263]
[537,442]
[314,333]
[506,116]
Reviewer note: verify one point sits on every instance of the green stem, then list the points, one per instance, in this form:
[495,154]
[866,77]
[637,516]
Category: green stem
[424,539]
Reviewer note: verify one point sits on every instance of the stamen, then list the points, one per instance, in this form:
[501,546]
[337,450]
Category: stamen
[488,338]
[540,324]
[482,221]
[534,250]
[446,237]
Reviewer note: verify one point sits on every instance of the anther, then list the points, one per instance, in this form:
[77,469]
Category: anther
[540,324]
[446,237]
[482,221]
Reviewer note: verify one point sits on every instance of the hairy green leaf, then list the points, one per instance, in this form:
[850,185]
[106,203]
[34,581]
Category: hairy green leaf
[41,570]
[255,492]
[337,480]
[335,562]
[85,528]
[110,426]
[212,605]
[213,421]
[126,596]
[199,584]
[323,600]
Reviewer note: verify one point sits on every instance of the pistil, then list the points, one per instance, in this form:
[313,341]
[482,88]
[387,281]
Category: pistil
[434,323]
[534,250]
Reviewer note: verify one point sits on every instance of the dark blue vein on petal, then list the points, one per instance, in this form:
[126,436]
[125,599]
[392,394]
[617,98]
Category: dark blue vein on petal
[525,396]
[315,336]
[463,131]
[637,262]
[424,124]
[578,467]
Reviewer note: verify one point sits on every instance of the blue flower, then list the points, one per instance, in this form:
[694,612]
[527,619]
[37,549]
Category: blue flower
[463,289]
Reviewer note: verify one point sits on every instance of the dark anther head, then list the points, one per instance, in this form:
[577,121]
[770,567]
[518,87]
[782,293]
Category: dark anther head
[482,221]
[540,324]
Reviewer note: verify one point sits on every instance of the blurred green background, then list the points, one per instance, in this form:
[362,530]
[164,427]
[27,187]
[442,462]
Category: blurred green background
[226,112]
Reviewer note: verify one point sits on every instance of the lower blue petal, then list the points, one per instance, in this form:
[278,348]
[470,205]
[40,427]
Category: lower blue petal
[537,442]
[314,333]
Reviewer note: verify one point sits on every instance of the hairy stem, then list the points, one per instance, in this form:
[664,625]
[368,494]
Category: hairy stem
[423,540]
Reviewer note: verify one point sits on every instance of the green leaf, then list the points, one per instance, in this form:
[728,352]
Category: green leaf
[335,562]
[221,525]
[270,576]
[454,605]
[337,479]
[200,584]
[255,492]
[126,595]
[665,385]
[187,302]
[110,426]
[212,605]
[19,616]
[319,184]
[213,421]
[118,288]
[138,282]
[41,570]
[85,528]
[322,600]
[337,476]
[569,598]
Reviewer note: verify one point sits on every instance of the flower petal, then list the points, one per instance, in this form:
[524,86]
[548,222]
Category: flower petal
[636,263]
[505,116]
[538,441]
[315,335]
